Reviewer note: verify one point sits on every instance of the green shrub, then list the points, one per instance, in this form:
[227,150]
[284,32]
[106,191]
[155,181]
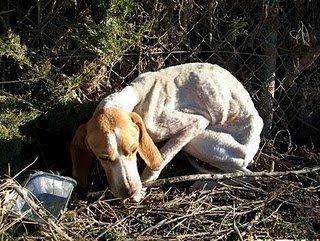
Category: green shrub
[47,80]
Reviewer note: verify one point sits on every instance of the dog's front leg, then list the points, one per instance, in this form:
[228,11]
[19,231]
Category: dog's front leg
[194,126]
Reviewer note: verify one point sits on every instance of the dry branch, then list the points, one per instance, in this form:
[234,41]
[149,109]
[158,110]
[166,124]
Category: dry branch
[212,177]
[176,214]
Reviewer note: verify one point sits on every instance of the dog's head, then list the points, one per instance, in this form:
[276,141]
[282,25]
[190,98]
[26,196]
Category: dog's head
[115,137]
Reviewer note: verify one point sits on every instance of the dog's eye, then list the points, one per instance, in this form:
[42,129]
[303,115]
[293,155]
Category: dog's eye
[134,149]
[104,158]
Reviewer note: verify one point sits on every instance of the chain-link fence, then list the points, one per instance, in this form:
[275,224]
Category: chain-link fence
[271,47]
[53,51]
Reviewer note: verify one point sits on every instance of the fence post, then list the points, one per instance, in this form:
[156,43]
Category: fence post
[269,70]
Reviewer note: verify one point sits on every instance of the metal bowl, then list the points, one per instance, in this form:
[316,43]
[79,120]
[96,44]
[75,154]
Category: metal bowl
[52,191]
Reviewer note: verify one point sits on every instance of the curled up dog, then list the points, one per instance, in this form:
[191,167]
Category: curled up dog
[199,108]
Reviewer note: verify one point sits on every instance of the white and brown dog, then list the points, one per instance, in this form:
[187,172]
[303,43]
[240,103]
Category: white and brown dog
[199,108]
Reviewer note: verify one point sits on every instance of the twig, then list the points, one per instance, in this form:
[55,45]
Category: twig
[188,215]
[7,11]
[235,227]
[17,81]
[196,177]
[26,168]
[252,222]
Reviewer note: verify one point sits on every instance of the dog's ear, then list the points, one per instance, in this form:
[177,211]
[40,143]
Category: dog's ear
[147,149]
[81,156]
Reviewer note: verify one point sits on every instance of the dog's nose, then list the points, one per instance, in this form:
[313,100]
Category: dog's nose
[130,190]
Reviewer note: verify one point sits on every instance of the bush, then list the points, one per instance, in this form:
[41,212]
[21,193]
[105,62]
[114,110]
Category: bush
[55,65]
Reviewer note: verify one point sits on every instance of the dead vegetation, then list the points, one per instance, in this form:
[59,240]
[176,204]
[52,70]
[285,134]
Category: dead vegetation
[266,207]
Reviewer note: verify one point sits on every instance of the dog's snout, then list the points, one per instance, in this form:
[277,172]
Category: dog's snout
[130,190]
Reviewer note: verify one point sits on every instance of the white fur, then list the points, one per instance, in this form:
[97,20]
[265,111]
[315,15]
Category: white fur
[113,140]
[199,108]
[125,169]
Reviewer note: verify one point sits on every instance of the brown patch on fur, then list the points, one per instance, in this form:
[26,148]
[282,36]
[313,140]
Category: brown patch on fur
[104,122]
[133,137]
[147,149]
[81,156]
[107,119]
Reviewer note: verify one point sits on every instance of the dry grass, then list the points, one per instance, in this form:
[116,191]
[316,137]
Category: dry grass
[267,207]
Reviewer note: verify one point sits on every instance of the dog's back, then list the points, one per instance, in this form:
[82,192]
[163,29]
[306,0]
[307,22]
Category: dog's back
[196,88]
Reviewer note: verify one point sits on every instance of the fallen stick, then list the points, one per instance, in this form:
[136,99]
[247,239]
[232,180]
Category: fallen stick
[219,176]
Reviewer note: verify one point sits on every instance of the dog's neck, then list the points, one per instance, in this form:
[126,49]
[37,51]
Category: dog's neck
[126,99]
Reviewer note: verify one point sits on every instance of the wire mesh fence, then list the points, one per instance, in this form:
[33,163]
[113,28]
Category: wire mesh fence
[270,46]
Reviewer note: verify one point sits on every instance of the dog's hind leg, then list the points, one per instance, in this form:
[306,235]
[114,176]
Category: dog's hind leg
[221,150]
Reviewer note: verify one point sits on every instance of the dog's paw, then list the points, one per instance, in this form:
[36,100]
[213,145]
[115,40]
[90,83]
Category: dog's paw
[140,195]
[149,175]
